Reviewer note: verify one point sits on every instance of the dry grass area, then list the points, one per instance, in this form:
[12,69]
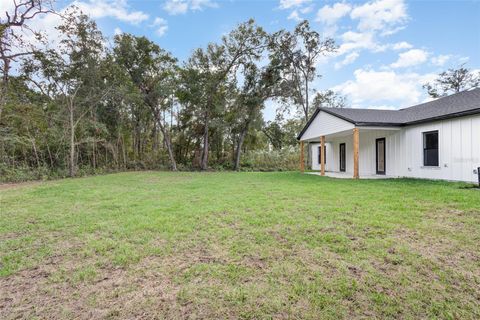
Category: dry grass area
[158,245]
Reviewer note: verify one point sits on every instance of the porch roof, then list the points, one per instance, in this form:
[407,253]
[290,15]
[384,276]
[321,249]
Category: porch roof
[455,105]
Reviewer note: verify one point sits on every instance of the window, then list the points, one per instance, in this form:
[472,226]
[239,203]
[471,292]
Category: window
[430,149]
[320,154]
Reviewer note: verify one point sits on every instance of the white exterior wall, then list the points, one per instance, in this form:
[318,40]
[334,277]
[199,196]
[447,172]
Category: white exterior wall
[335,146]
[459,150]
[325,124]
[329,161]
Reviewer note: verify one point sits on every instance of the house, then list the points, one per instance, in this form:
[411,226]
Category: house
[439,139]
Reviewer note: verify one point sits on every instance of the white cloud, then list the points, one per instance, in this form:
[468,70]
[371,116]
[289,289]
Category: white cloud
[175,7]
[331,14]
[200,4]
[117,9]
[440,60]
[410,58]
[401,45]
[289,4]
[294,16]
[6,6]
[44,23]
[307,9]
[372,87]
[47,23]
[117,31]
[161,26]
[298,7]
[350,58]
[382,107]
[358,40]
[387,16]
[376,19]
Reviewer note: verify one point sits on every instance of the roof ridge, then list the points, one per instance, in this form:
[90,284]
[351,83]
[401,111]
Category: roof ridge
[349,108]
[440,98]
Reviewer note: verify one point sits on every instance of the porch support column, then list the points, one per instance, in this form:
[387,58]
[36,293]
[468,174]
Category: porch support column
[322,155]
[302,161]
[356,147]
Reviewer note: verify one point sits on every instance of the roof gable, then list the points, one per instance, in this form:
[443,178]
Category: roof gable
[323,123]
[455,105]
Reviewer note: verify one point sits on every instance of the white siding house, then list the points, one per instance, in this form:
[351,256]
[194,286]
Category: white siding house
[435,140]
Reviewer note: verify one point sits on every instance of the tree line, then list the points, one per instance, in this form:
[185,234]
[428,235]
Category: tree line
[84,105]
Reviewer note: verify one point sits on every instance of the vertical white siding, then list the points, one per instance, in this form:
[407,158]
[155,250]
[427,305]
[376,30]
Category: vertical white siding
[329,159]
[335,153]
[459,149]
[475,143]
[324,124]
[367,152]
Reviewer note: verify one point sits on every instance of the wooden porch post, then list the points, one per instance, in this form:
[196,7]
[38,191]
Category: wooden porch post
[356,147]
[322,155]
[302,161]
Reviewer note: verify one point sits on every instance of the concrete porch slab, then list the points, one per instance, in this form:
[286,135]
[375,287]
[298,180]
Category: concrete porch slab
[348,175]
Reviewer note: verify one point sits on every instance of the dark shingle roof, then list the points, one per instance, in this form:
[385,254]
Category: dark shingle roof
[366,116]
[455,105]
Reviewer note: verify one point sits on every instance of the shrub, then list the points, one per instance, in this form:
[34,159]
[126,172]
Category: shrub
[276,160]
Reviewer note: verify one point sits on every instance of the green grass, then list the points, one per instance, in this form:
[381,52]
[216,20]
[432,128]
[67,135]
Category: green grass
[239,245]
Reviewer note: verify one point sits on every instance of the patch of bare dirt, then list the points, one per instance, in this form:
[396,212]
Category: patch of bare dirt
[144,291]
[440,250]
[16,185]
[150,289]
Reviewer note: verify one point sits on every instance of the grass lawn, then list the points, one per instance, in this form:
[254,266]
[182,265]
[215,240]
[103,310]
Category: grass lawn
[239,245]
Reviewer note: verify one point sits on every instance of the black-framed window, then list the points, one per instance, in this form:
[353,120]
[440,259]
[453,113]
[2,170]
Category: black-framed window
[430,149]
[320,154]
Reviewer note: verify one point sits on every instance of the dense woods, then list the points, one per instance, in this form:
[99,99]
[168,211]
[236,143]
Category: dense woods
[83,106]
[81,103]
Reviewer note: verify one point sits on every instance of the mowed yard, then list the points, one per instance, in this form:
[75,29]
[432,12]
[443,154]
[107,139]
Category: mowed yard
[239,245]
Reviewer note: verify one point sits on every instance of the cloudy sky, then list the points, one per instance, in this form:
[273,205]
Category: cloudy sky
[387,48]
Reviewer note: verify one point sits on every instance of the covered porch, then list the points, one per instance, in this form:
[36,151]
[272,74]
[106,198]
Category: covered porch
[357,152]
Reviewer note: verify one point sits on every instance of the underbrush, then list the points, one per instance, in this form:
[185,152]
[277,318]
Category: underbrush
[276,160]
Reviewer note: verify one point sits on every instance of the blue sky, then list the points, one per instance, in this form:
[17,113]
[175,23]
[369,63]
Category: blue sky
[387,48]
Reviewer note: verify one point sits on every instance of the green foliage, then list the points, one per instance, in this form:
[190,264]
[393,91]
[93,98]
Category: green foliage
[84,107]
[296,54]
[26,173]
[285,159]
[453,81]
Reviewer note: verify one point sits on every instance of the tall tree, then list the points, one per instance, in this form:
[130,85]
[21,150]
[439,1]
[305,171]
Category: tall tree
[258,86]
[70,75]
[218,62]
[85,106]
[299,52]
[282,132]
[191,93]
[13,45]
[453,81]
[330,99]
[153,71]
